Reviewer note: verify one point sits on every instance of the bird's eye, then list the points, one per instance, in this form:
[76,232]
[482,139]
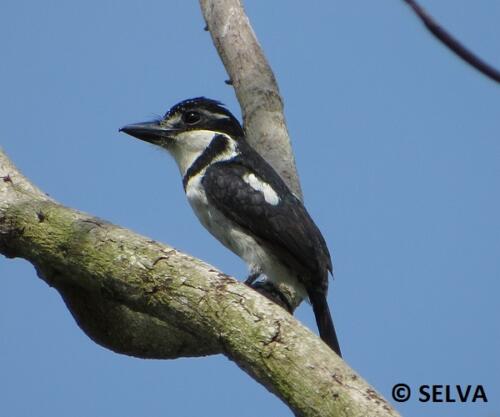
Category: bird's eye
[191,117]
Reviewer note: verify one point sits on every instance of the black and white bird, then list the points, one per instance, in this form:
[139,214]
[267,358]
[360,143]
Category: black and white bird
[241,200]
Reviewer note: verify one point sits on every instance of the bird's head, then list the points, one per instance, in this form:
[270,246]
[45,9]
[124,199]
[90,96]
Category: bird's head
[188,128]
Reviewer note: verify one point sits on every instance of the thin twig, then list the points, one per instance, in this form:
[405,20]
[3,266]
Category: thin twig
[453,43]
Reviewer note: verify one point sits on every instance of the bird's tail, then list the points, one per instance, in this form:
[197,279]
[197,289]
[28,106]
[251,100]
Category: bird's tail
[324,320]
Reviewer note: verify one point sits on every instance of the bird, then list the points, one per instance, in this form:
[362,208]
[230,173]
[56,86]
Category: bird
[243,202]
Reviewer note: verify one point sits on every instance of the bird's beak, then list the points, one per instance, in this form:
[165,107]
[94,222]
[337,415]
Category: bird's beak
[151,132]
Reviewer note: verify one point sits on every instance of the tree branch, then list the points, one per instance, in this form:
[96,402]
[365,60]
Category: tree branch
[453,44]
[189,307]
[254,83]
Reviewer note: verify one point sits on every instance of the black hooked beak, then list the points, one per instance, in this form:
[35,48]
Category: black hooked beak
[151,132]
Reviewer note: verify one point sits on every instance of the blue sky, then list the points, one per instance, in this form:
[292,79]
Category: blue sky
[398,148]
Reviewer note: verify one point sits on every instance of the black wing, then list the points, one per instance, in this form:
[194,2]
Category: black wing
[286,226]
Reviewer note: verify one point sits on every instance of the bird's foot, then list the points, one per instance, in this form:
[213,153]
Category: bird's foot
[252,278]
[269,290]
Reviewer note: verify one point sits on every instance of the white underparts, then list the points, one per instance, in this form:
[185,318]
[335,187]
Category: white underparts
[270,195]
[259,258]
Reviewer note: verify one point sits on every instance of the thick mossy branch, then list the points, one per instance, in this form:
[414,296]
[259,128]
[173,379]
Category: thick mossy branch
[109,278]
[143,298]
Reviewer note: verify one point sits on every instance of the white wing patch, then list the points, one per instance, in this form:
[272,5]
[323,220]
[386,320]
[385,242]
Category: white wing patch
[269,194]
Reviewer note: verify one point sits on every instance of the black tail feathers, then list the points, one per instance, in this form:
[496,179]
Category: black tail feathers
[324,320]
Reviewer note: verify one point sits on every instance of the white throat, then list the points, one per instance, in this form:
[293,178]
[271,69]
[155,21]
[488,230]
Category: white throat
[188,146]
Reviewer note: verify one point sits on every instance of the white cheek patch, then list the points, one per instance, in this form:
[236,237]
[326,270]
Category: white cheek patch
[270,195]
[188,146]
